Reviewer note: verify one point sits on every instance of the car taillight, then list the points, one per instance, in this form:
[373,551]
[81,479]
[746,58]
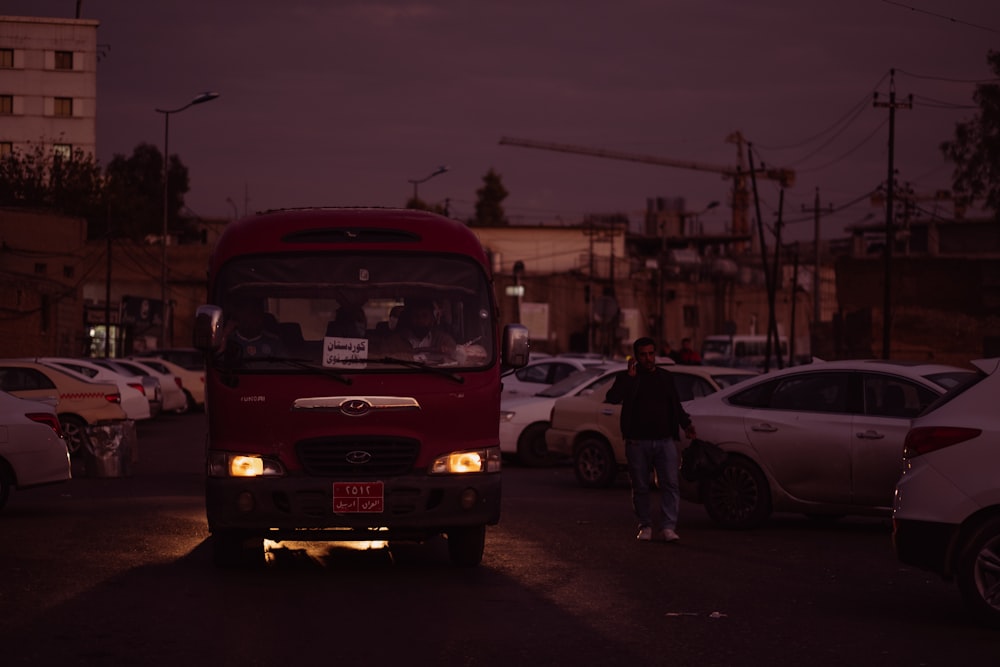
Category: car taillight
[113,398]
[47,419]
[138,386]
[927,439]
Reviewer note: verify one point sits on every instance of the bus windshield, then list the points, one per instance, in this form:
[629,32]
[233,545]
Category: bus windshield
[354,312]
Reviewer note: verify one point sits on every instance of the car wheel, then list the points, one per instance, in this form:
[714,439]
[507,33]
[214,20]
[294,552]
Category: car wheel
[465,545]
[75,432]
[595,464]
[232,549]
[531,448]
[978,572]
[738,496]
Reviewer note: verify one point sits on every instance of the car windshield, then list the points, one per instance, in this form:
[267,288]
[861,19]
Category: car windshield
[355,313]
[571,382]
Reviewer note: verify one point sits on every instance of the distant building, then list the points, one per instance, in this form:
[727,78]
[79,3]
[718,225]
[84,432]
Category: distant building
[48,84]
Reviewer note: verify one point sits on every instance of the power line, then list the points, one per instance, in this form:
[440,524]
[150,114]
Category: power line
[941,16]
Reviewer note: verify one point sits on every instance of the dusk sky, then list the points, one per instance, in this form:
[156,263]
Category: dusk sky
[333,102]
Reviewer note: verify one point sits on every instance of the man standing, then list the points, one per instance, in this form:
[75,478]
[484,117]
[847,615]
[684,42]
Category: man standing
[651,420]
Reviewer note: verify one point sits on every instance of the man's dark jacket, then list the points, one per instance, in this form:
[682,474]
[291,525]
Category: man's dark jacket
[651,409]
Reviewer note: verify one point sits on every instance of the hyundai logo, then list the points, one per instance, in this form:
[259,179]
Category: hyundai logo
[358,457]
[355,407]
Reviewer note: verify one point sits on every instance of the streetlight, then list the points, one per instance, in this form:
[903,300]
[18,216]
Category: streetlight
[417,181]
[204,97]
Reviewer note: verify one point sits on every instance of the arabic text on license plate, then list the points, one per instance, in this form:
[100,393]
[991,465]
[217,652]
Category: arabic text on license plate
[354,497]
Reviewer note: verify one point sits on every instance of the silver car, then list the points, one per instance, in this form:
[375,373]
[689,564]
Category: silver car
[824,439]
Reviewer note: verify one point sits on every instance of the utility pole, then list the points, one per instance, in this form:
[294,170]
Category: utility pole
[890,239]
[816,210]
[768,278]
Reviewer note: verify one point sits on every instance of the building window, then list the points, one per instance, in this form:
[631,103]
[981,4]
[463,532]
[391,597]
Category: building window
[68,271]
[64,60]
[63,106]
[6,58]
[64,151]
[41,268]
[6,148]
[6,104]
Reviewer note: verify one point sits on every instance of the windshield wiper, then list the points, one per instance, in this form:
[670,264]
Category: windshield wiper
[309,366]
[419,365]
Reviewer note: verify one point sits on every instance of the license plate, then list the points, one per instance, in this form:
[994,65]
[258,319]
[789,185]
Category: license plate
[358,497]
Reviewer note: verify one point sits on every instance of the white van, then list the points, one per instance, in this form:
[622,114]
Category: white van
[742,350]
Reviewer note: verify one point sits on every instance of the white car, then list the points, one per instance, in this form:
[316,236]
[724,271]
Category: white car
[824,439]
[134,400]
[587,428]
[543,372]
[192,381]
[946,510]
[172,395]
[524,419]
[32,448]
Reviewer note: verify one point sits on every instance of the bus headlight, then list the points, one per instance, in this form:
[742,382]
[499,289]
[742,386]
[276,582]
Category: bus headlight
[468,461]
[230,464]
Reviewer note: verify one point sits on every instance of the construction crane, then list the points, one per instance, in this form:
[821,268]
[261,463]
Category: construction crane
[738,174]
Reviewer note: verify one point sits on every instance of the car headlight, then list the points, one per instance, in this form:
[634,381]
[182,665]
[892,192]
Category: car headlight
[506,416]
[469,461]
[229,464]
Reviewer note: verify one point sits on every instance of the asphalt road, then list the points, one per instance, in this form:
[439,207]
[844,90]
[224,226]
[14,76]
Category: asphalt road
[118,572]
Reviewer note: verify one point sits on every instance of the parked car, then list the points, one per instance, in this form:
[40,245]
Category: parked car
[525,418]
[171,394]
[190,358]
[134,400]
[543,372]
[192,381]
[81,406]
[946,509]
[586,428]
[32,449]
[824,439]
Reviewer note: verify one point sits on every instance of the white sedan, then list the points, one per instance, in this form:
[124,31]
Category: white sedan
[135,403]
[587,428]
[524,418]
[32,448]
[174,399]
[824,439]
[543,372]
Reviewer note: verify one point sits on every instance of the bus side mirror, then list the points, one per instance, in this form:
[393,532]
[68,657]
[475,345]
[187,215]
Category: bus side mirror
[516,342]
[207,335]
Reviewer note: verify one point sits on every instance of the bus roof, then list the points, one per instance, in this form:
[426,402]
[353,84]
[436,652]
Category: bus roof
[358,229]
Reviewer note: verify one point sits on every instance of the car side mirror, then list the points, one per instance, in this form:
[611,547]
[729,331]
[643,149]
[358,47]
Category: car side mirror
[516,345]
[207,335]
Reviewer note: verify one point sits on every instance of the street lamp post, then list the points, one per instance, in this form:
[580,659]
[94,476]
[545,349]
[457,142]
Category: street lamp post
[204,97]
[417,181]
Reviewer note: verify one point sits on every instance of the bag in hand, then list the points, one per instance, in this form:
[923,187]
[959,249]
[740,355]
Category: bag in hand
[701,460]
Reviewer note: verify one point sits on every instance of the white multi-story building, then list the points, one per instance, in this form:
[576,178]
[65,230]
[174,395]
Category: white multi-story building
[48,84]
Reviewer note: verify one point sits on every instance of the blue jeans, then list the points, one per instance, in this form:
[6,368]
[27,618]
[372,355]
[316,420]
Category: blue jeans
[645,456]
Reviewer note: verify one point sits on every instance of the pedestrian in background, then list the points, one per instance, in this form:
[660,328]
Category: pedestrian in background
[688,355]
[651,420]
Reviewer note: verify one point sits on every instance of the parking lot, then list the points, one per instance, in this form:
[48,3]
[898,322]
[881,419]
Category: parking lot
[116,571]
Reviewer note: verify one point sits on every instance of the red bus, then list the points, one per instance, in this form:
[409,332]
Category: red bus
[353,382]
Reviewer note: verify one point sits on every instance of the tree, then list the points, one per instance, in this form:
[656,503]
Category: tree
[489,202]
[134,189]
[44,178]
[975,150]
